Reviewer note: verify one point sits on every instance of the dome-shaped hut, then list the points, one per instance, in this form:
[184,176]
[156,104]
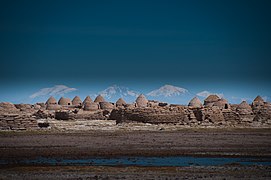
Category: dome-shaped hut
[195,102]
[87,99]
[91,106]
[258,101]
[64,101]
[76,101]
[211,99]
[7,106]
[222,103]
[51,100]
[106,105]
[99,98]
[244,105]
[120,102]
[53,107]
[141,101]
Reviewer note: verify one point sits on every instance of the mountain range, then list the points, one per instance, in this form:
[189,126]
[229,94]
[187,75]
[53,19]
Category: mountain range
[167,93]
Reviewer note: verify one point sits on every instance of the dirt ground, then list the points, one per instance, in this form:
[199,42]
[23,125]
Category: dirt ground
[194,142]
[190,142]
[105,172]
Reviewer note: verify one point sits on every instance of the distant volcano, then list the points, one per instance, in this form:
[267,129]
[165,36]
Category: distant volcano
[171,94]
[113,93]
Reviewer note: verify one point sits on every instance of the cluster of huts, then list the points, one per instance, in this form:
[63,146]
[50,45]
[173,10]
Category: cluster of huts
[100,103]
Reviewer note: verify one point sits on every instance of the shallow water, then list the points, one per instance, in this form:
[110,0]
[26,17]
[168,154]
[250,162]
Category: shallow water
[143,161]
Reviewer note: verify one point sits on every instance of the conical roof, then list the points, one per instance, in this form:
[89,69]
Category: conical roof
[141,101]
[53,107]
[106,105]
[51,100]
[244,105]
[64,101]
[87,99]
[223,100]
[91,106]
[212,98]
[195,102]
[76,101]
[120,102]
[99,98]
[259,99]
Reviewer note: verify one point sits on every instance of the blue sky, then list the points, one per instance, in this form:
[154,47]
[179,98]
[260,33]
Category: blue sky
[219,46]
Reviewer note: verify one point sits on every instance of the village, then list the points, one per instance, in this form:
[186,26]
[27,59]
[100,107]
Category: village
[213,112]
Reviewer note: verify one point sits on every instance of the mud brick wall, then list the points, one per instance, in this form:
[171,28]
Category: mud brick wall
[149,115]
[263,115]
[67,115]
[17,122]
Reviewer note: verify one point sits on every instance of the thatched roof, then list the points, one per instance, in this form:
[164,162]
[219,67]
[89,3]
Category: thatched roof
[99,98]
[243,105]
[195,102]
[258,99]
[87,99]
[51,100]
[141,101]
[76,101]
[120,102]
[91,106]
[64,101]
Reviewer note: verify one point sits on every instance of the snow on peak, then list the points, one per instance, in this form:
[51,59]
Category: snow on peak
[167,91]
[208,93]
[53,91]
[117,92]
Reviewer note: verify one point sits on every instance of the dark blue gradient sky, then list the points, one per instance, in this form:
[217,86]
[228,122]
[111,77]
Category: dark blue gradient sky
[215,44]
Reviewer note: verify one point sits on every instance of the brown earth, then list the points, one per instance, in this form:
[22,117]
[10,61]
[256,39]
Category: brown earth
[194,142]
[106,172]
[78,144]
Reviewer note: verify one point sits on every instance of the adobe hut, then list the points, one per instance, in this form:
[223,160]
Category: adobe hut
[91,106]
[195,102]
[99,99]
[76,101]
[243,105]
[245,112]
[120,102]
[141,101]
[87,99]
[257,104]
[6,106]
[211,99]
[64,101]
[222,104]
[258,101]
[53,107]
[106,105]
[51,100]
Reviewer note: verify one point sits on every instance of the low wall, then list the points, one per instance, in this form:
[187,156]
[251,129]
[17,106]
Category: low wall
[17,122]
[212,116]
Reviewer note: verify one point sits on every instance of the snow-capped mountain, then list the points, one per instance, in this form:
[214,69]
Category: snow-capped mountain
[171,94]
[167,91]
[115,92]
